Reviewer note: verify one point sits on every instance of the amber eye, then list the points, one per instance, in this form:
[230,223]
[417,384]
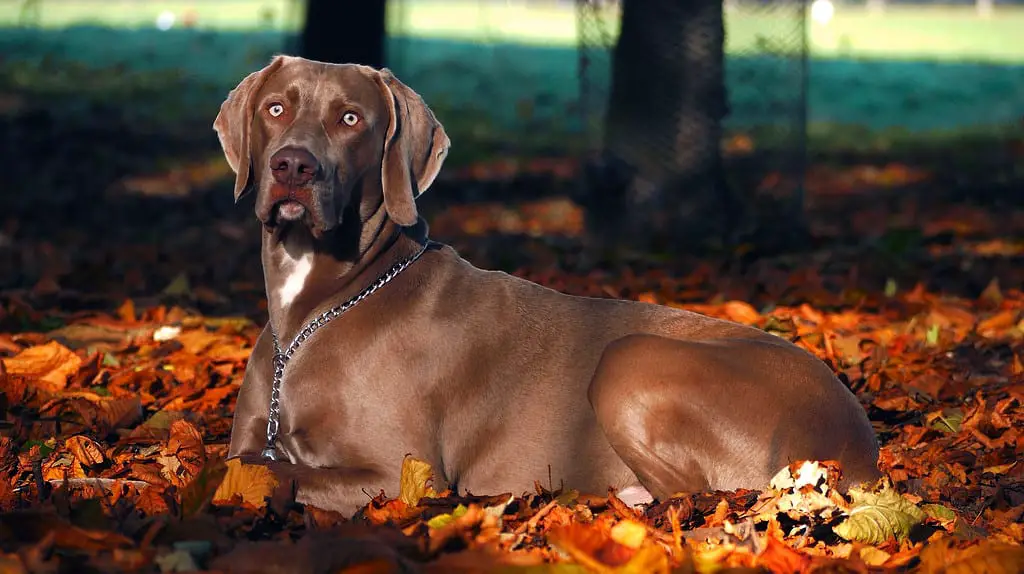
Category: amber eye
[350,119]
[275,110]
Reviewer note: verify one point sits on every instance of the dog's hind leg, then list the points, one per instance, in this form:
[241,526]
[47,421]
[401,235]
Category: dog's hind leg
[646,430]
[723,414]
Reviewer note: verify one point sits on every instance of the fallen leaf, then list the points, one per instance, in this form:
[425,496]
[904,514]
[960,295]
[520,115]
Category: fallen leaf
[629,533]
[988,557]
[873,556]
[252,482]
[184,455]
[878,514]
[778,557]
[947,422]
[415,481]
[442,520]
[126,312]
[201,489]
[51,363]
[85,450]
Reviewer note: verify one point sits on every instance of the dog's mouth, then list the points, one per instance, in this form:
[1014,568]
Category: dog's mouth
[286,204]
[286,207]
[290,210]
[286,211]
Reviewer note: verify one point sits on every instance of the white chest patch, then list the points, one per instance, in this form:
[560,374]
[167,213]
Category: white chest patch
[296,271]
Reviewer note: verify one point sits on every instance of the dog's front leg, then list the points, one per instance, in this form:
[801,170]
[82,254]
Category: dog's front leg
[343,490]
[249,426]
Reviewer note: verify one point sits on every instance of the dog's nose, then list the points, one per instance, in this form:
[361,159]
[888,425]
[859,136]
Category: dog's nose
[293,166]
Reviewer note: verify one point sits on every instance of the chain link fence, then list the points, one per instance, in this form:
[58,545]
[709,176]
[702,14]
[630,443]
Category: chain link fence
[766,77]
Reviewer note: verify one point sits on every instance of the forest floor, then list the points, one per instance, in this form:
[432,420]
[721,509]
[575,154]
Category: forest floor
[125,327]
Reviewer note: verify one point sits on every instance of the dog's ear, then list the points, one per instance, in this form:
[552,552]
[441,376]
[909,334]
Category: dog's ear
[234,121]
[415,146]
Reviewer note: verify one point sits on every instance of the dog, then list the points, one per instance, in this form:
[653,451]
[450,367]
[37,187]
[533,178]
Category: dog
[381,343]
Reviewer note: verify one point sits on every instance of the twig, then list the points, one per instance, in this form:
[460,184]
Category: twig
[536,518]
[37,474]
[620,507]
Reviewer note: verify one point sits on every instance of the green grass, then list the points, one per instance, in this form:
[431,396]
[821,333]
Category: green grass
[945,33]
[911,32]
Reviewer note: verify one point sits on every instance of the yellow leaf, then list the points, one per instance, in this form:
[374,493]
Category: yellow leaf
[1000,468]
[649,560]
[51,363]
[415,481]
[629,533]
[873,556]
[442,520]
[253,482]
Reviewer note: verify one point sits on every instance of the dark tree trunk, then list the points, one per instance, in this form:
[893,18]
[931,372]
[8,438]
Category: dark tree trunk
[344,32]
[663,126]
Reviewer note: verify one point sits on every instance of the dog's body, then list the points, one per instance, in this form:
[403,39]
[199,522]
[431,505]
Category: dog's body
[496,381]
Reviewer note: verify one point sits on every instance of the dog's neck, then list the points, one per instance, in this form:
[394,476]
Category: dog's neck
[306,275]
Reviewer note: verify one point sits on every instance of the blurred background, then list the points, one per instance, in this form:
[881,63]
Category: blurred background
[586,135]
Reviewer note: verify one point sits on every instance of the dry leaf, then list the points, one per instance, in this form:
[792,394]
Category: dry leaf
[85,450]
[184,455]
[252,482]
[415,481]
[51,364]
[741,312]
[629,533]
[988,557]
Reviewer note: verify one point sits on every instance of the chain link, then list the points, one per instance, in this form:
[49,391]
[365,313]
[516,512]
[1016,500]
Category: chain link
[281,358]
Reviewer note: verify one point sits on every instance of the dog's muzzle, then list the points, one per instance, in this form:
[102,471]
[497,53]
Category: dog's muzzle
[291,196]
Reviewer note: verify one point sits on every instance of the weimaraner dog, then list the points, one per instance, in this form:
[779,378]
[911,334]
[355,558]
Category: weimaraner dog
[382,343]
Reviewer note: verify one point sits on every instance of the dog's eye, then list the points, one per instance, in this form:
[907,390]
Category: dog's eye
[275,110]
[350,118]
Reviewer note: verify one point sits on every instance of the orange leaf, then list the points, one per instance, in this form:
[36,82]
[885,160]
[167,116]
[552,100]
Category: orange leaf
[184,455]
[741,312]
[394,511]
[583,543]
[198,340]
[126,312]
[51,363]
[85,450]
[252,482]
[228,353]
[779,557]
[999,322]
[988,557]
[647,297]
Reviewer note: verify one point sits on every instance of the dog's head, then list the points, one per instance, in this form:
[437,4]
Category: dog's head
[310,136]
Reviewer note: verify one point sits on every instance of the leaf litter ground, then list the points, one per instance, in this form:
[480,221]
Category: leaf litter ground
[123,348]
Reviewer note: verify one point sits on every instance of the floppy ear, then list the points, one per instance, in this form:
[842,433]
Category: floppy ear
[415,146]
[233,123]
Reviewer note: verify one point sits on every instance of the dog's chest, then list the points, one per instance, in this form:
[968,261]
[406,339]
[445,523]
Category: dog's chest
[339,397]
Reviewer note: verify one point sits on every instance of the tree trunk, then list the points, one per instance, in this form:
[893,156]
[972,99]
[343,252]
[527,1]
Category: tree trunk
[663,125]
[344,32]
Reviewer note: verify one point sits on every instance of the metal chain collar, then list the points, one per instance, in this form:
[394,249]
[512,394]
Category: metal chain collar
[281,358]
